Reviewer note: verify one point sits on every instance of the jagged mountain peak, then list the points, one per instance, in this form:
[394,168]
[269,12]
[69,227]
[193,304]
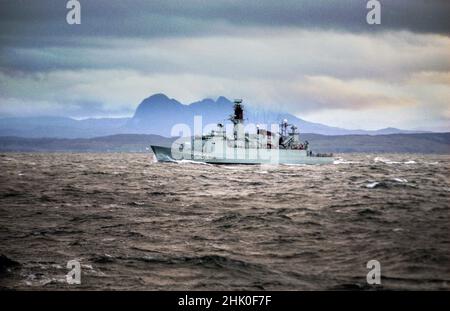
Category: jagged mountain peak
[158,113]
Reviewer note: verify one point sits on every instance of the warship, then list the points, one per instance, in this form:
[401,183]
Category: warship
[282,146]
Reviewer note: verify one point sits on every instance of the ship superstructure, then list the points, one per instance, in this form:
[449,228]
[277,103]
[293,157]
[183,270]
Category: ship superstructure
[280,144]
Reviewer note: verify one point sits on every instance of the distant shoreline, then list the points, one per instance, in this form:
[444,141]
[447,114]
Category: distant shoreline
[423,143]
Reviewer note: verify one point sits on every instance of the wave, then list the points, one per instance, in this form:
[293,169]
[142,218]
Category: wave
[388,161]
[205,261]
[191,162]
[386,183]
[343,161]
[7,263]
[376,184]
[166,226]
[410,162]
[400,180]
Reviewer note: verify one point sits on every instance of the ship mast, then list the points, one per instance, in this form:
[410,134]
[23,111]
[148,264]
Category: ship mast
[238,116]
[238,120]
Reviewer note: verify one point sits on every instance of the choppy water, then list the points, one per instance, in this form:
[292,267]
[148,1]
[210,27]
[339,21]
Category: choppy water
[134,224]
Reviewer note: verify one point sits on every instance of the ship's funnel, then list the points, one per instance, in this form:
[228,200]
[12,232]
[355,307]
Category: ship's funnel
[238,111]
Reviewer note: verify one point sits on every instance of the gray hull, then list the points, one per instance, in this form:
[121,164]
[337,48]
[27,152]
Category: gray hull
[242,156]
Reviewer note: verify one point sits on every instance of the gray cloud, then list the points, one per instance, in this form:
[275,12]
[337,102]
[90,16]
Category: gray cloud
[284,55]
[36,20]
[312,57]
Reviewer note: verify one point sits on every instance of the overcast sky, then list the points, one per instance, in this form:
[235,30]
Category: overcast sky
[317,59]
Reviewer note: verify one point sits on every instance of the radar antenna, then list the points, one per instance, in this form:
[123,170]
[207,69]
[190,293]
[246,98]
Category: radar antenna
[238,116]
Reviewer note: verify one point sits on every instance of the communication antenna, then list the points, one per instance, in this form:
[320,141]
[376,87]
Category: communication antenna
[238,116]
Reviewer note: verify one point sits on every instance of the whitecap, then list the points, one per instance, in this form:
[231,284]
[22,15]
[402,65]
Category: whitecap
[388,161]
[384,160]
[401,180]
[343,161]
[380,159]
[372,185]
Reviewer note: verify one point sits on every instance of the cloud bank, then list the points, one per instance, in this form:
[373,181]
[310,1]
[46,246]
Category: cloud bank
[317,59]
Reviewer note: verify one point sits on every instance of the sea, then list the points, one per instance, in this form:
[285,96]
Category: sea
[131,223]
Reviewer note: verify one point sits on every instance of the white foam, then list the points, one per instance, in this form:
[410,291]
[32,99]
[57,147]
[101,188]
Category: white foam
[388,161]
[401,180]
[191,162]
[154,159]
[384,160]
[342,161]
[372,185]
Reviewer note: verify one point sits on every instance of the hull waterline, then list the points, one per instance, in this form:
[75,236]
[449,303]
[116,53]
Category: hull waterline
[261,156]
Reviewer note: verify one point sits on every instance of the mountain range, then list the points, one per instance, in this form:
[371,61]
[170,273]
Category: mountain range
[157,114]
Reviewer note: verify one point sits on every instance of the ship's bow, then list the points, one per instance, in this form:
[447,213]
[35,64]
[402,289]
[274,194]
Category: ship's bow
[162,154]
